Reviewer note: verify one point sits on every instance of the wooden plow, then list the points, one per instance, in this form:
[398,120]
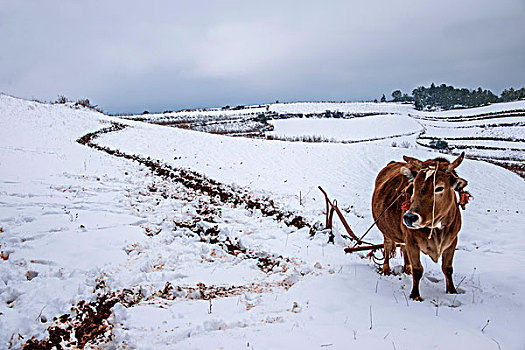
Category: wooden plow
[359,244]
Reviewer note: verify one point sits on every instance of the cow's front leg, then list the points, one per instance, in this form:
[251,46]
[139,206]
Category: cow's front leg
[407,268]
[446,266]
[417,269]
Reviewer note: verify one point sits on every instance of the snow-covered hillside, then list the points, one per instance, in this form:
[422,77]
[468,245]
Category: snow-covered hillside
[196,268]
[493,133]
[355,129]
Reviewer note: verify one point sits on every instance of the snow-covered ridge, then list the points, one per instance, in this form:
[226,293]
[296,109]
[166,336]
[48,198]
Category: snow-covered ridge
[345,107]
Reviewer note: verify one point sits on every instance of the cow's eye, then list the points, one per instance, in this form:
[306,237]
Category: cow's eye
[439,189]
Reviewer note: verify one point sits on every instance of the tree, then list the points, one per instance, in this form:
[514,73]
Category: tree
[512,95]
[397,95]
[383,98]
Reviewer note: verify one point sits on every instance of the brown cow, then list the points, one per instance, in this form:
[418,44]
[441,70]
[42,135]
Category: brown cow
[432,221]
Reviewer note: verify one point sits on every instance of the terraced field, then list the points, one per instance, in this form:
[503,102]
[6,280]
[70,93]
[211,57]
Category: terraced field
[495,134]
[497,137]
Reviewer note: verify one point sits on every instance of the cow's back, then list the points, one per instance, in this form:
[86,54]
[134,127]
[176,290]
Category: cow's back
[389,184]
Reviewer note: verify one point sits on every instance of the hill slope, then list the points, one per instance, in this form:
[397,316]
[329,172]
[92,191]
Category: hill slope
[196,269]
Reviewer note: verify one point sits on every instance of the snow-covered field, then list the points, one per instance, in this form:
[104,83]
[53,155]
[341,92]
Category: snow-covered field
[458,113]
[346,107]
[204,272]
[355,129]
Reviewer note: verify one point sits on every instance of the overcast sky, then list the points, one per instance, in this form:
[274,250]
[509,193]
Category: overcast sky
[158,55]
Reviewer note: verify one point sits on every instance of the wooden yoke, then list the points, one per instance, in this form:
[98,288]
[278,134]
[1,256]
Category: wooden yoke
[330,208]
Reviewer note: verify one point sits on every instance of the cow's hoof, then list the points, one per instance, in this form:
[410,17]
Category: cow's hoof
[452,291]
[416,297]
[385,270]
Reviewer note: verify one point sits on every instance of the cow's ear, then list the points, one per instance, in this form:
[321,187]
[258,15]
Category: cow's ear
[459,184]
[413,161]
[409,174]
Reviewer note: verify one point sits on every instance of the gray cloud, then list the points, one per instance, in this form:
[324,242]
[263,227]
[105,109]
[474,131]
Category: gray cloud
[174,54]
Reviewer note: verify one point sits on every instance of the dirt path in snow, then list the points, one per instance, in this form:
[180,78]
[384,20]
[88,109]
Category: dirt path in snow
[88,322]
[199,182]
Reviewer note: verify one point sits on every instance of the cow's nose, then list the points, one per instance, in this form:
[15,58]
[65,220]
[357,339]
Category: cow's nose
[410,218]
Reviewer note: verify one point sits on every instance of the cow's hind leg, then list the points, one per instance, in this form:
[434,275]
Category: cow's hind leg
[389,249]
[446,267]
[417,269]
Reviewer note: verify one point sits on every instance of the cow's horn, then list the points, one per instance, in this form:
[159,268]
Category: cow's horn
[413,161]
[456,163]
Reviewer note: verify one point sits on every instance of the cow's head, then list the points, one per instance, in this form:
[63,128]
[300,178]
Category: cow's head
[427,197]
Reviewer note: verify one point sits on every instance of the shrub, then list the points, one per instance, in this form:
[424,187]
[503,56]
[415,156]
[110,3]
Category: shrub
[406,144]
[439,144]
[84,102]
[261,118]
[61,99]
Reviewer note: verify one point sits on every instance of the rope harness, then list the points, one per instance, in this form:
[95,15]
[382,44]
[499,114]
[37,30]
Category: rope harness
[464,197]
[433,202]
[407,200]
[406,203]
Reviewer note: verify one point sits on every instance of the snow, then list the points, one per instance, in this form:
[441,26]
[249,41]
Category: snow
[74,215]
[493,108]
[346,107]
[356,129]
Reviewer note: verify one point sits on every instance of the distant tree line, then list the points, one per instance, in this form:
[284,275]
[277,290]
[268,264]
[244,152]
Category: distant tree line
[512,95]
[448,97]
